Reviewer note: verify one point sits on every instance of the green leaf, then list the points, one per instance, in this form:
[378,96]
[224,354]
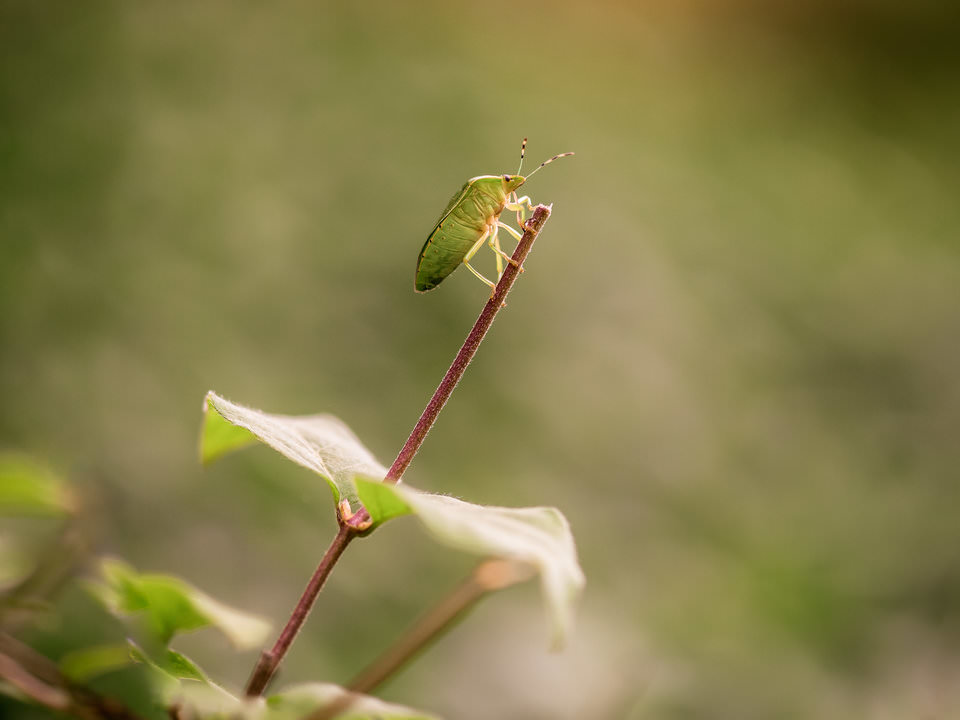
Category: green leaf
[183,681]
[170,606]
[30,488]
[382,502]
[321,443]
[34,542]
[301,700]
[183,668]
[142,684]
[81,666]
[538,536]
[220,437]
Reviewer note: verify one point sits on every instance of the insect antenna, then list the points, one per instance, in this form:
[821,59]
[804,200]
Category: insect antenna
[547,162]
[523,147]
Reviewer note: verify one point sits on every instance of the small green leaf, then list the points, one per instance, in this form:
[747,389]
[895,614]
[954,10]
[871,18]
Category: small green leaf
[538,536]
[183,668]
[382,502]
[170,606]
[30,488]
[179,681]
[81,666]
[220,437]
[321,443]
[301,700]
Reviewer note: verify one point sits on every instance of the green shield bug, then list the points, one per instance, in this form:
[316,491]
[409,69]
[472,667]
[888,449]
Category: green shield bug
[471,218]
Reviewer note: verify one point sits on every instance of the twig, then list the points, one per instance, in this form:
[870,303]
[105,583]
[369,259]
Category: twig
[40,679]
[33,662]
[55,566]
[353,524]
[469,349]
[32,686]
[271,659]
[490,575]
[532,228]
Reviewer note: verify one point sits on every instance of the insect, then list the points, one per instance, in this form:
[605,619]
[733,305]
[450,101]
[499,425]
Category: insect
[471,218]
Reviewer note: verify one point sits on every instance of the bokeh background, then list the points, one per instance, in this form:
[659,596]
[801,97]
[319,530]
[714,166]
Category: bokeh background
[732,361]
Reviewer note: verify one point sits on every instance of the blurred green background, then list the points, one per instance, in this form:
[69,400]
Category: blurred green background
[732,361]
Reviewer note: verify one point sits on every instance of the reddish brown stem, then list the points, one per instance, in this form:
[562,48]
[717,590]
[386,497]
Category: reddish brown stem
[469,349]
[270,659]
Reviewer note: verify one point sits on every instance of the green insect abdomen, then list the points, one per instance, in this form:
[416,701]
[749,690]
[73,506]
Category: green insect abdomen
[443,252]
[459,228]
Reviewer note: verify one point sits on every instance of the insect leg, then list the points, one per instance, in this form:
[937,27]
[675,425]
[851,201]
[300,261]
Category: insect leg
[511,204]
[496,245]
[473,251]
[494,242]
[493,285]
[521,214]
[521,202]
[519,205]
[510,230]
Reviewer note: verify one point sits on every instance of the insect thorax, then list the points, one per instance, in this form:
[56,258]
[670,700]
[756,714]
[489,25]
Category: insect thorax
[491,191]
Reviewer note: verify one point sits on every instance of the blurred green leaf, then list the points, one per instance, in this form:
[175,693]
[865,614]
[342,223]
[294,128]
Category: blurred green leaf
[299,701]
[86,663]
[321,443]
[538,536]
[30,488]
[139,688]
[170,606]
[16,563]
[183,668]
[181,682]
[36,544]
[82,665]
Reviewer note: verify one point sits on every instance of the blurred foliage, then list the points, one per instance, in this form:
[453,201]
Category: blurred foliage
[731,362]
[113,659]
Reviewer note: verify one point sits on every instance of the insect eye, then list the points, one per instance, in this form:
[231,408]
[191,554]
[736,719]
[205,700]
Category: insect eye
[506,177]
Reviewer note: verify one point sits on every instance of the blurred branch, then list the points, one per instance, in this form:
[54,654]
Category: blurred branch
[33,687]
[56,564]
[39,679]
[489,576]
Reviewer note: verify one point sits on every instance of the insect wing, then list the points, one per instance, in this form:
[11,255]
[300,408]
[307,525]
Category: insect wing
[457,197]
[429,278]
